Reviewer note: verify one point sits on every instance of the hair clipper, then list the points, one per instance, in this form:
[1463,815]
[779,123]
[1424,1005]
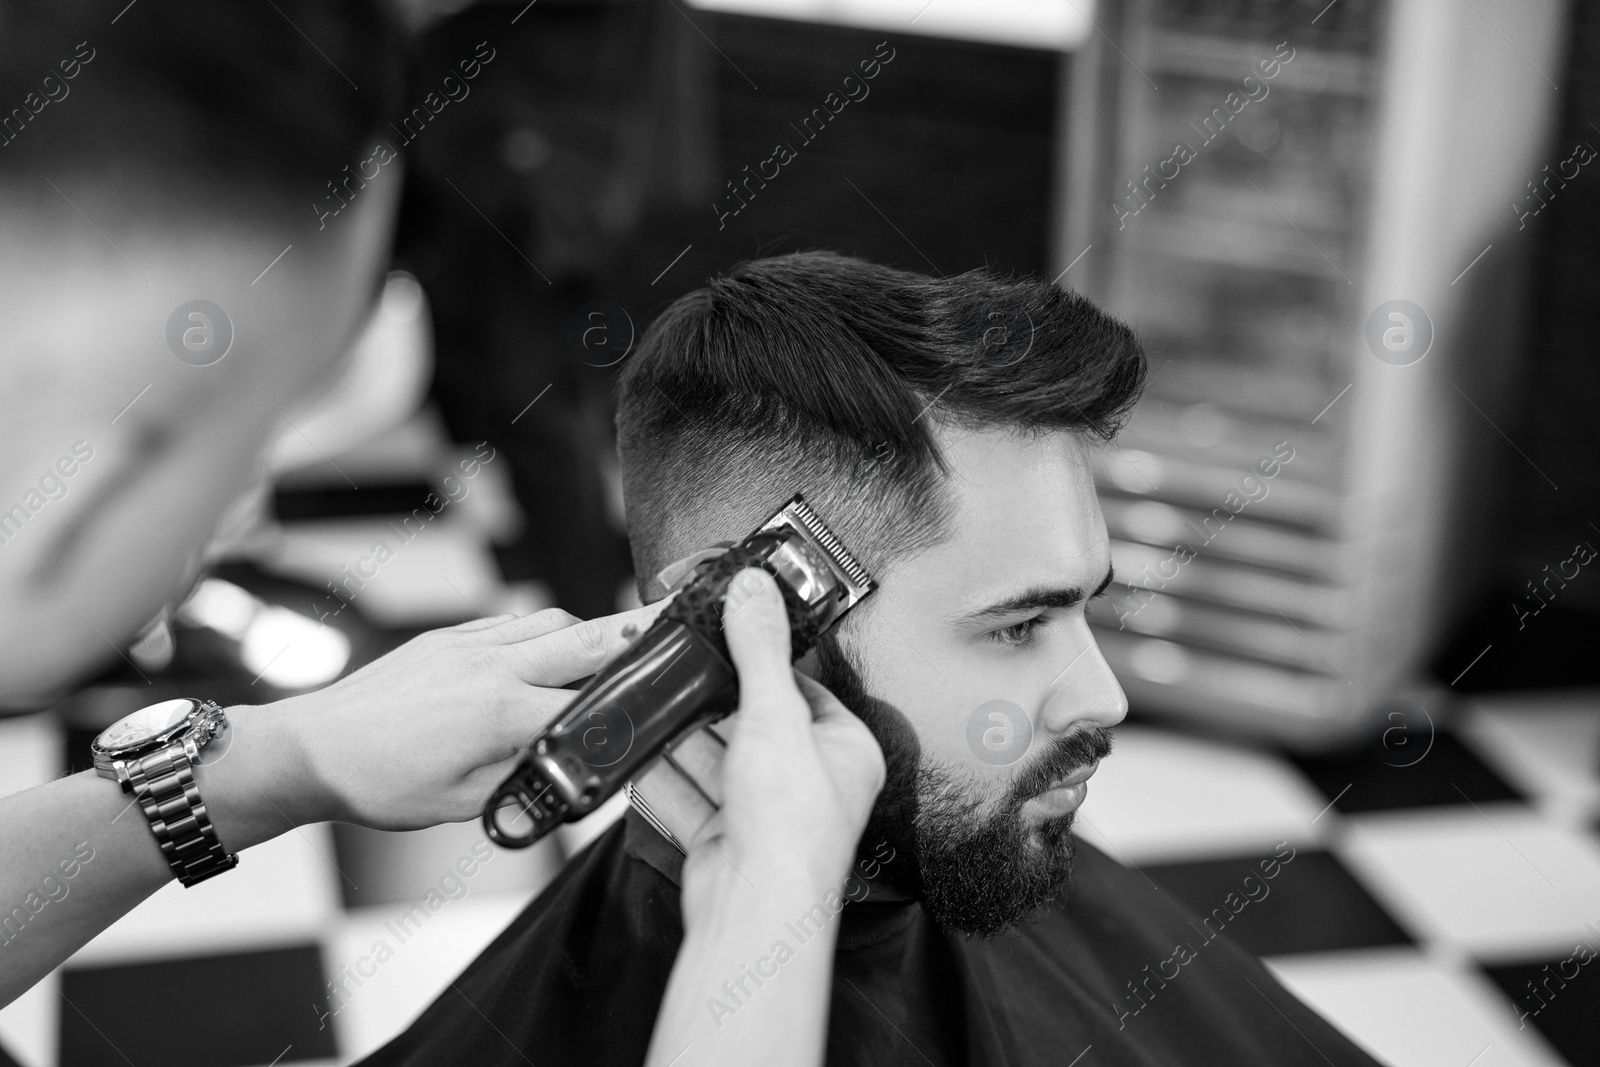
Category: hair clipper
[674,678]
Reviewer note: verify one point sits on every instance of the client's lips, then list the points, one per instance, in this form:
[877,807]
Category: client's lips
[1065,795]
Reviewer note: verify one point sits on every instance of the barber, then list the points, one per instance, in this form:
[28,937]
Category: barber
[422,736]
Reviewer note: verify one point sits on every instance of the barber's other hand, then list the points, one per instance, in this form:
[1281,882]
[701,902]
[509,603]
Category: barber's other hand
[424,734]
[800,773]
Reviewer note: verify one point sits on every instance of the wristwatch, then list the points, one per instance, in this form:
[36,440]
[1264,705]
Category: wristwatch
[151,754]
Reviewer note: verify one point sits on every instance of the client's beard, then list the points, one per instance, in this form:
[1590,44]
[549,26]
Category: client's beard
[979,874]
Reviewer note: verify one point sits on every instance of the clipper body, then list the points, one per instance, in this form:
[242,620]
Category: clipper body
[673,679]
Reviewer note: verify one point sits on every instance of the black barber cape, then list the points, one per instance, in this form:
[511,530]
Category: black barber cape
[578,976]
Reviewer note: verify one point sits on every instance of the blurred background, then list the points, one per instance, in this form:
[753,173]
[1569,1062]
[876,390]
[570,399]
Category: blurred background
[1361,242]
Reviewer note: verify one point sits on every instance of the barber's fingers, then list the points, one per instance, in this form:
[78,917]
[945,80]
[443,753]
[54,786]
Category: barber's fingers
[507,629]
[543,651]
[512,629]
[488,622]
[845,743]
[551,648]
[757,630]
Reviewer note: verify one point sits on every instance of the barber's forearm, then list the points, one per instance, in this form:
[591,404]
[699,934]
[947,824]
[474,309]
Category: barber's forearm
[80,851]
[753,976]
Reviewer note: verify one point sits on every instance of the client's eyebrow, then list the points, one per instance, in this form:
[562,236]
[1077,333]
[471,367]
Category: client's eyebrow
[1039,598]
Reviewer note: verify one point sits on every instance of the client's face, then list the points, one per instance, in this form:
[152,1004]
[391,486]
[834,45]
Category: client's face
[974,666]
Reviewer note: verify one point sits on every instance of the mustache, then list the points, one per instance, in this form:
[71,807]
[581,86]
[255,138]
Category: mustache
[1061,758]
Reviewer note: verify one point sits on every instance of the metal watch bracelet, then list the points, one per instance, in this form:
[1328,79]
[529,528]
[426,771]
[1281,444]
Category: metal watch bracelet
[163,785]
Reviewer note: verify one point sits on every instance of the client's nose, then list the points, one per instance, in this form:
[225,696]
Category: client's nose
[1085,691]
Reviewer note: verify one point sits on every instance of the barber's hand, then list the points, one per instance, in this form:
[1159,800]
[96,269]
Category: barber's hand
[799,773]
[424,734]
[791,800]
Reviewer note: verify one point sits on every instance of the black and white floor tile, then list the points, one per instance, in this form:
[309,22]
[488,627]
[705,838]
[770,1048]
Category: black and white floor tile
[1441,913]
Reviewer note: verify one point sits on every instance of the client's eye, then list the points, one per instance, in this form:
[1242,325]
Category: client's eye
[1018,634]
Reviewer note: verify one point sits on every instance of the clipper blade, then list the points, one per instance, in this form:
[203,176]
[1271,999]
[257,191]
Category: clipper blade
[798,516]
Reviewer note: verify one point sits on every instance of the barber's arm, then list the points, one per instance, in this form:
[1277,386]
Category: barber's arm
[798,781]
[419,737]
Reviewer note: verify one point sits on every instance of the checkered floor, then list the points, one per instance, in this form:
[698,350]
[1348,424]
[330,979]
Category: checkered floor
[1442,912]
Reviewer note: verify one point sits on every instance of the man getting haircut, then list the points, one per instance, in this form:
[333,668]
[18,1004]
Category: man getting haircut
[943,428]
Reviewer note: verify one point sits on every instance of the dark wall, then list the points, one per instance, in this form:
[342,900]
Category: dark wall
[1546,636]
[945,165]
[1558,426]
[590,169]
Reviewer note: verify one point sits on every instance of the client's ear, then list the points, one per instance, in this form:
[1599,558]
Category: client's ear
[676,574]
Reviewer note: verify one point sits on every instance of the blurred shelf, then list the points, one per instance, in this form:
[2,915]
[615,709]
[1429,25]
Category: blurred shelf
[1343,26]
[1234,436]
[1228,693]
[1250,273]
[1292,393]
[1270,640]
[1240,586]
[1230,59]
[1238,242]
[1161,525]
[1195,483]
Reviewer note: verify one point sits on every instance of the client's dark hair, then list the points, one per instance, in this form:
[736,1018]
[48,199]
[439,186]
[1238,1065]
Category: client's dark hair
[824,374]
[266,101]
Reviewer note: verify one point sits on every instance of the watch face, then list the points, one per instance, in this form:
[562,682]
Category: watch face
[144,725]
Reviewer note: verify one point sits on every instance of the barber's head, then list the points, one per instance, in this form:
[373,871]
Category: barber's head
[155,156]
[943,428]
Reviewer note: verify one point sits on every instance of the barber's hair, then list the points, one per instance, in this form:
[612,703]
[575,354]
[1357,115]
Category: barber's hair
[829,375]
[261,102]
